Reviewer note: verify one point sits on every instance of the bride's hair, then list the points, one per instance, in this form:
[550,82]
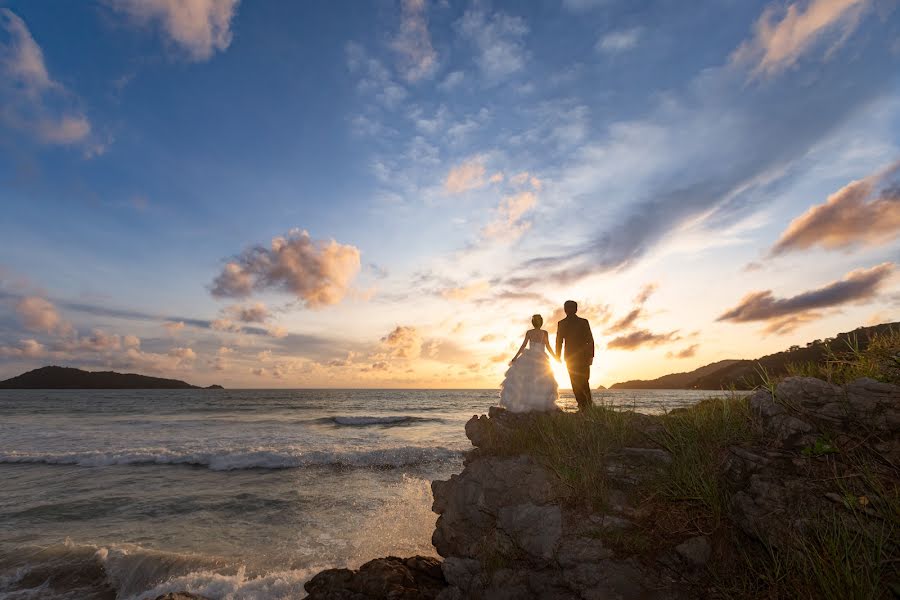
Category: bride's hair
[537,321]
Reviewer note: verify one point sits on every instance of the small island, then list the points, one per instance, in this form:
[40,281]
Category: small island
[67,378]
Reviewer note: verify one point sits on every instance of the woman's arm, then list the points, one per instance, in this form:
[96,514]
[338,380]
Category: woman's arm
[548,347]
[520,350]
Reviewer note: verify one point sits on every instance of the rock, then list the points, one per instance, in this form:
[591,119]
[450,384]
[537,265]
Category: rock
[469,503]
[415,578]
[695,550]
[181,596]
[534,529]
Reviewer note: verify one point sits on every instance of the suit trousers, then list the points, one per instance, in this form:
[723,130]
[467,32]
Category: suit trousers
[581,388]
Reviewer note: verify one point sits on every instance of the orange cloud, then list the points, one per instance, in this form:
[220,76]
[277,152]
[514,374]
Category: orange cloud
[466,176]
[319,273]
[781,37]
[857,214]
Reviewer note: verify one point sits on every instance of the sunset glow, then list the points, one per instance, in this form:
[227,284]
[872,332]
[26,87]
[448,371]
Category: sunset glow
[285,194]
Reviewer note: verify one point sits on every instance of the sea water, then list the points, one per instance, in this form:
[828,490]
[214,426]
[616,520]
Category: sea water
[115,494]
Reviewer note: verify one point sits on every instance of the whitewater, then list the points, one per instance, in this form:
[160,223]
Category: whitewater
[233,494]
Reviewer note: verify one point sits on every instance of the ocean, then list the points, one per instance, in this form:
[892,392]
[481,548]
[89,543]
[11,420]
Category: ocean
[233,494]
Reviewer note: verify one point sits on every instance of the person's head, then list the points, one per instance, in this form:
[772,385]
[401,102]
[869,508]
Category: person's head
[571,307]
[537,321]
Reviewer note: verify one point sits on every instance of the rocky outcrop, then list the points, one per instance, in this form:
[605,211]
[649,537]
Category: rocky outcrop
[510,527]
[415,578]
[507,529]
[784,482]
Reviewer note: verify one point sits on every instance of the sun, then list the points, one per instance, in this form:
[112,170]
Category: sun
[561,374]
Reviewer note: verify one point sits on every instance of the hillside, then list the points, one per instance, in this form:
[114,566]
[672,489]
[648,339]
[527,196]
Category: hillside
[57,378]
[674,381]
[745,374]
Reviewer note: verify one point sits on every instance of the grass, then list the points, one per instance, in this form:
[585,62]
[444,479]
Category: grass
[880,360]
[698,438]
[575,447]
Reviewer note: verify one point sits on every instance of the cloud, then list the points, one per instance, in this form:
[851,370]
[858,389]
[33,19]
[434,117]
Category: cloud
[403,342]
[641,337]
[628,321]
[173,327]
[705,156]
[582,5]
[782,35]
[466,176]
[225,325]
[38,314]
[26,349]
[618,41]
[417,56]
[521,179]
[452,81]
[498,39]
[375,78]
[30,99]
[200,27]
[185,357]
[863,212]
[784,314]
[465,292]
[249,313]
[688,352]
[319,273]
[508,223]
[277,331]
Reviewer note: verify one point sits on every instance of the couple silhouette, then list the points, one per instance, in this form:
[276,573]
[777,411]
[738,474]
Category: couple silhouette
[529,384]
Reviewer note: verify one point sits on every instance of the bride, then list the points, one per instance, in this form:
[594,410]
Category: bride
[529,384]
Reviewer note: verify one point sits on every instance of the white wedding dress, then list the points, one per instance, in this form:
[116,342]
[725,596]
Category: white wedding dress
[529,384]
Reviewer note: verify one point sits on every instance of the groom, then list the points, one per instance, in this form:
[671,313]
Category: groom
[576,333]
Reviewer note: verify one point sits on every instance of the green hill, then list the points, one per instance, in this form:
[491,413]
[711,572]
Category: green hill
[746,374]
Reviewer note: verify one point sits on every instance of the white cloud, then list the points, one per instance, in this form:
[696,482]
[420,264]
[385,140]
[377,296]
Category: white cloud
[452,81]
[619,41]
[417,56]
[200,27]
[782,36]
[31,100]
[498,39]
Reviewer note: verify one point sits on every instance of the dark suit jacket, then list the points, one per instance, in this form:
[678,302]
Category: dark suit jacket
[576,333]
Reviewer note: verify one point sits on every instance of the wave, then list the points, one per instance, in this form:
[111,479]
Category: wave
[86,572]
[360,421]
[259,458]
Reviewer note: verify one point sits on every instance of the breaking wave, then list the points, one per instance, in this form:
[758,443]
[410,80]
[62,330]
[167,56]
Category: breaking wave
[259,458]
[360,421]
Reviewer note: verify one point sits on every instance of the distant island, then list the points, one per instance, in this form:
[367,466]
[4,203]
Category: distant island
[65,378]
[747,374]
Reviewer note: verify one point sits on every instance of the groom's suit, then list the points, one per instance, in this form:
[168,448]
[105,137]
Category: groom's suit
[575,332]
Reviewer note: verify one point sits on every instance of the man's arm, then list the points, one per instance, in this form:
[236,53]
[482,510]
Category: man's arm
[590,337]
[559,338]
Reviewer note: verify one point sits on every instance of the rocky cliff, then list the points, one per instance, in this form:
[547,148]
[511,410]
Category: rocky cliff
[792,493]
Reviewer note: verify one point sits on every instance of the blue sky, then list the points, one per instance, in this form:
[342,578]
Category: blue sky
[283,194]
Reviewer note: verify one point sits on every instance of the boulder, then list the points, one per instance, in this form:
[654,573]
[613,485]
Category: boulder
[415,578]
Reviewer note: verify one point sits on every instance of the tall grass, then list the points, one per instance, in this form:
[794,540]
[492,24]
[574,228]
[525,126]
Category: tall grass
[880,360]
[698,438]
[575,447]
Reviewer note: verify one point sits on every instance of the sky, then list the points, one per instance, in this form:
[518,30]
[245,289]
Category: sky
[382,194]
